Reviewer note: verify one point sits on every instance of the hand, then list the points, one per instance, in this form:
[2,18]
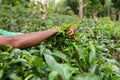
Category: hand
[71,31]
[74,38]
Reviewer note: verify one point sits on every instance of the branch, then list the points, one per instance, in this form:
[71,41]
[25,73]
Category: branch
[40,3]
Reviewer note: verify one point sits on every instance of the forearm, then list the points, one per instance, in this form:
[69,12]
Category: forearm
[33,38]
[30,39]
[26,40]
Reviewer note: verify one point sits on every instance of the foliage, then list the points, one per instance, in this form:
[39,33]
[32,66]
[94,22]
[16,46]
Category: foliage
[116,4]
[20,19]
[60,57]
[13,2]
[103,8]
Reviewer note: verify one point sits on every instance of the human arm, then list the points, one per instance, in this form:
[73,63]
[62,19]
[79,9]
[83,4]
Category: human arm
[29,39]
[26,40]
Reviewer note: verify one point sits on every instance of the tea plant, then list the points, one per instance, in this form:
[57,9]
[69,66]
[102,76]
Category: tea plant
[61,58]
[94,56]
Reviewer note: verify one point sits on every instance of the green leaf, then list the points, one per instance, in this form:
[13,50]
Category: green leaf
[81,52]
[35,78]
[86,77]
[60,55]
[62,69]
[1,73]
[108,68]
[94,68]
[4,47]
[24,52]
[17,60]
[26,55]
[53,75]
[14,77]
[42,48]
[47,51]
[115,78]
[32,77]
[93,51]
[38,62]
[4,55]
[29,76]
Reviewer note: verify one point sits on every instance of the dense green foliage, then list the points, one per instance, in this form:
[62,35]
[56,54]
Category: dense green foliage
[17,18]
[101,8]
[93,57]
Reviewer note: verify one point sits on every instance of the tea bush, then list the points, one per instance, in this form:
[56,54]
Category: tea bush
[19,18]
[60,57]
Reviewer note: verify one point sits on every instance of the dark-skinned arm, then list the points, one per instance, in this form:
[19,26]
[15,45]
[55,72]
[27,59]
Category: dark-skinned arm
[29,39]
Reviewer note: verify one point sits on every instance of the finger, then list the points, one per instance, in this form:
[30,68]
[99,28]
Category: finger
[72,32]
[69,32]
[74,38]
[74,29]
